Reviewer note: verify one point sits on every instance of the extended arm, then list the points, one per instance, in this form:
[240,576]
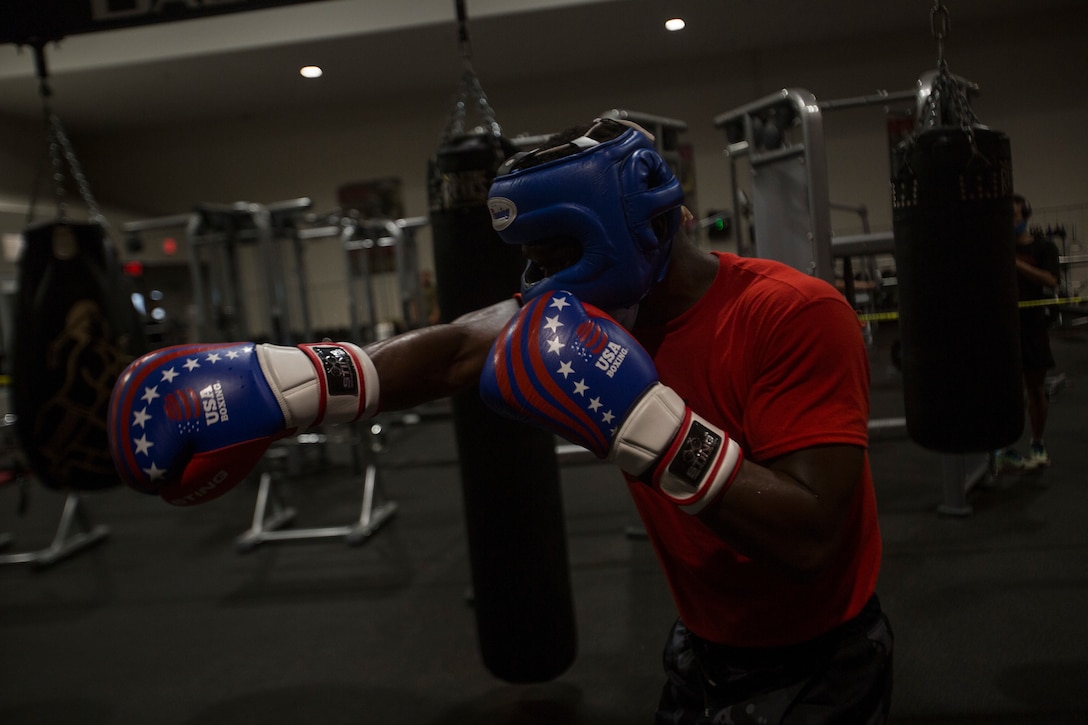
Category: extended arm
[190,422]
[437,361]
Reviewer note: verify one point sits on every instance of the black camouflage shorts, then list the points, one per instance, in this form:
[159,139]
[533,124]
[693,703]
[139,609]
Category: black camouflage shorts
[844,676]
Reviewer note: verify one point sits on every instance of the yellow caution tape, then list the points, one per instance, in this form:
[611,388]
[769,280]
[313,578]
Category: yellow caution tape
[1055,301]
[885,316]
[878,316]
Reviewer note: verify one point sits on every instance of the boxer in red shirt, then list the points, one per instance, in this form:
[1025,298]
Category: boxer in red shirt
[732,393]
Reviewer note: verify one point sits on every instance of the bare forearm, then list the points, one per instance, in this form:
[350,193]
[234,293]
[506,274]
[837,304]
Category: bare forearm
[769,513]
[437,361]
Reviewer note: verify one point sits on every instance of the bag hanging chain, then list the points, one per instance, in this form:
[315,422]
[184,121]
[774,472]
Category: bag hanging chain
[59,142]
[470,89]
[61,151]
[939,24]
[947,103]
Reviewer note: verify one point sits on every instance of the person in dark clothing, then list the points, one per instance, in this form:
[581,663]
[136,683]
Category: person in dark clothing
[1038,270]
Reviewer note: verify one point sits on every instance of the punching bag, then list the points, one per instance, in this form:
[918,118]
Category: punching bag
[75,330]
[509,471]
[958,298]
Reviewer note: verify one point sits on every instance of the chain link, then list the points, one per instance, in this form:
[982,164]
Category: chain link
[62,154]
[60,138]
[940,23]
[947,104]
[469,91]
[57,165]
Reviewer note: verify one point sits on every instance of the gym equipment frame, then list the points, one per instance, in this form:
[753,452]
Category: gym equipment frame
[75,530]
[790,196]
[268,523]
[214,235]
[66,542]
[358,237]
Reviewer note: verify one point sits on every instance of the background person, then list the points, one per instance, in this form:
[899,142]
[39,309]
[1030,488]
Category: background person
[1038,271]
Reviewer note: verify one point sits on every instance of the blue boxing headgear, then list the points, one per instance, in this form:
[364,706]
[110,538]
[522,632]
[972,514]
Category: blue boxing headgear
[606,195]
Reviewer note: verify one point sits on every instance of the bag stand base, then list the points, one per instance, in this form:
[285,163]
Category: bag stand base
[271,514]
[75,532]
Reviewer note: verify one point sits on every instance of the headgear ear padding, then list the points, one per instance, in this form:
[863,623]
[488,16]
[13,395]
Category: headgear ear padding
[606,197]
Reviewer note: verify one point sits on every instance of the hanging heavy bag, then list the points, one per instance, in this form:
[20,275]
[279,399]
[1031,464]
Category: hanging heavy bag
[509,471]
[958,302]
[75,330]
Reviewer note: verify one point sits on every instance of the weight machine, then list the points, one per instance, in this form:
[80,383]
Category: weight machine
[357,236]
[224,243]
[360,239]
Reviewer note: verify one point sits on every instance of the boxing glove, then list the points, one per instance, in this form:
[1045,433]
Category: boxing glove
[571,369]
[190,422]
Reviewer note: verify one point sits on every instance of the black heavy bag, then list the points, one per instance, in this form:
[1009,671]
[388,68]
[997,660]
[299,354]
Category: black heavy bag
[958,300]
[509,471]
[75,330]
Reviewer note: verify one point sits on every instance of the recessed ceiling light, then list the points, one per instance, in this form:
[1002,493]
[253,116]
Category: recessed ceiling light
[675,24]
[310,71]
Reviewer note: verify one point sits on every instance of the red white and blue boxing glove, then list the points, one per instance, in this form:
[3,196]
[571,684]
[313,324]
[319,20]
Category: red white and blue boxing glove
[571,369]
[190,422]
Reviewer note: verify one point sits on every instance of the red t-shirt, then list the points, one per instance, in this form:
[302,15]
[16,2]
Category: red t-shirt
[776,359]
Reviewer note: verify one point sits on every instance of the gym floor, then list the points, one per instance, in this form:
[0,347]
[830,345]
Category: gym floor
[168,622]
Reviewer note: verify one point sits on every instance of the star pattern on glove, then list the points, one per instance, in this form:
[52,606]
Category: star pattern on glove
[566,367]
[171,389]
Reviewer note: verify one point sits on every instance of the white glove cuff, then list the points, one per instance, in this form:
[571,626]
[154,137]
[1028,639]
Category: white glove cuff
[648,430]
[320,382]
[695,460]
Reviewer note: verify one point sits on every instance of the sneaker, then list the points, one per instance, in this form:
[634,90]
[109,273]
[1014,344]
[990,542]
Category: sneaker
[1008,459]
[1037,456]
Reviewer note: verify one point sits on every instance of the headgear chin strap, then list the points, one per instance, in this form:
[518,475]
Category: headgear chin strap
[605,196]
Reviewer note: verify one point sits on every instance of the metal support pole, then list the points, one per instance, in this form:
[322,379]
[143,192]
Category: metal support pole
[961,473]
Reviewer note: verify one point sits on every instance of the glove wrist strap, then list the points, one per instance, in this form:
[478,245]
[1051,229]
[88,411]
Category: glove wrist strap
[699,466]
[320,382]
[691,461]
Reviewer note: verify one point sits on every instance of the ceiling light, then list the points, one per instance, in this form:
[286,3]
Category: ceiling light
[675,24]
[310,71]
